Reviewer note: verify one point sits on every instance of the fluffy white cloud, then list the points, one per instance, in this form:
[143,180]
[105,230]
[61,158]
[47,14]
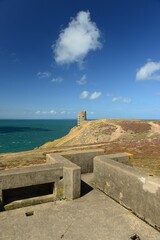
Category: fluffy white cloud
[76,40]
[121,99]
[82,80]
[149,71]
[57,80]
[95,95]
[43,74]
[84,94]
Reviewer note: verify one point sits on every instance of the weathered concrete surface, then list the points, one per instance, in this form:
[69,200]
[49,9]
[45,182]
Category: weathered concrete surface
[124,158]
[92,217]
[72,182]
[131,188]
[27,176]
[84,159]
[71,175]
[28,182]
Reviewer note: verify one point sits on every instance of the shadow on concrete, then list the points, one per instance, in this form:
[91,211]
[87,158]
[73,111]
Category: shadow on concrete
[23,193]
[85,188]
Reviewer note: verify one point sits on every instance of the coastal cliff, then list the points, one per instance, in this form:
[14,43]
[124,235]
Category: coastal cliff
[103,131]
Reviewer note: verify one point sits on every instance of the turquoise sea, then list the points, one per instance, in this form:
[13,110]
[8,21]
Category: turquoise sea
[21,135]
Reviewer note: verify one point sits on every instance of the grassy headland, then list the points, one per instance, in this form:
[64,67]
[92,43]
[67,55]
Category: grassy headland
[141,138]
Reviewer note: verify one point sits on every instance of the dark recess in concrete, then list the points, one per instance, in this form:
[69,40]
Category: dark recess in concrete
[11,195]
[85,188]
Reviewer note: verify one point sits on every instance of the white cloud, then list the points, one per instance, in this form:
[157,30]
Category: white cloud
[46,112]
[95,95]
[57,80]
[92,96]
[84,94]
[92,113]
[76,40]
[52,112]
[82,80]
[149,71]
[121,99]
[65,112]
[43,74]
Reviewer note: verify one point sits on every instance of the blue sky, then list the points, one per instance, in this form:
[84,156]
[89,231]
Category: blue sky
[60,57]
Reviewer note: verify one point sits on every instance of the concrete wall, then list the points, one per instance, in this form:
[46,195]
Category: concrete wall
[131,188]
[20,183]
[84,159]
[28,176]
[63,174]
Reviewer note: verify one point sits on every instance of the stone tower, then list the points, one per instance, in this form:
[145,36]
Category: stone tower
[81,117]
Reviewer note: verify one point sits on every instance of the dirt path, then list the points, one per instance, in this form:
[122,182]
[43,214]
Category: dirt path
[155,128]
[118,133]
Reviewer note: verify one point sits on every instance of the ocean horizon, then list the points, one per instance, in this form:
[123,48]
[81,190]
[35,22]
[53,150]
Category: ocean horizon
[18,135]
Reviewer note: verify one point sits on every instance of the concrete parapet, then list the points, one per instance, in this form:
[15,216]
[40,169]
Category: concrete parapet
[28,176]
[132,188]
[71,175]
[120,157]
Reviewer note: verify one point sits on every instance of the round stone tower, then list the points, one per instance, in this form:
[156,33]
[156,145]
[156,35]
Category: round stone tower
[81,117]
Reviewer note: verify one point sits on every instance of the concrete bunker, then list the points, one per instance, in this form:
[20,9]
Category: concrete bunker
[60,177]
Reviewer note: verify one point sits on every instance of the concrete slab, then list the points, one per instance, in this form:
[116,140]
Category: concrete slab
[91,217]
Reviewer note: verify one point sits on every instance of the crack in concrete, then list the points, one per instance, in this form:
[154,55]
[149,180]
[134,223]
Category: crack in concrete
[62,236]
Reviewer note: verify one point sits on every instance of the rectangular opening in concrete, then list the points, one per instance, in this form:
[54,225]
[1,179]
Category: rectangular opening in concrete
[11,195]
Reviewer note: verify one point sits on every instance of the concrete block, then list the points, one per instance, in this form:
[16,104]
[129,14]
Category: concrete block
[71,176]
[72,182]
[132,188]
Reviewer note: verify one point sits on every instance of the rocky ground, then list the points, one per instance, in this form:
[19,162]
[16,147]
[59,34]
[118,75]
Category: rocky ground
[141,138]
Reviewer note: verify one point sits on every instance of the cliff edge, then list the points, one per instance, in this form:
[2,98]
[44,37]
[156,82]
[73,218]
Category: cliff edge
[103,131]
